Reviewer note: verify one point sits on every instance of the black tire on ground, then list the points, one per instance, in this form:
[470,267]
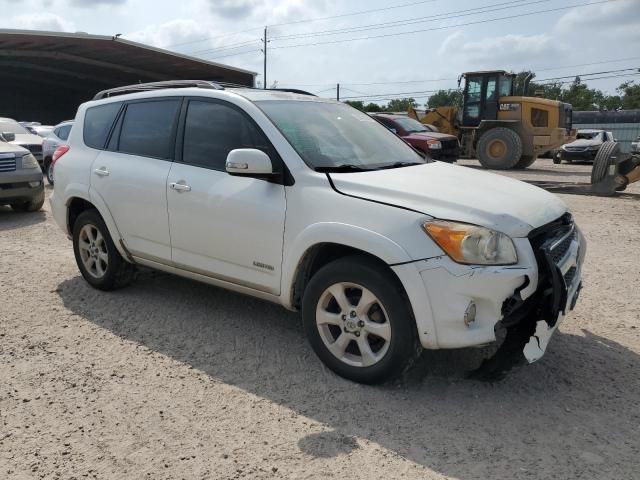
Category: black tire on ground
[30,206]
[557,160]
[119,272]
[499,149]
[525,162]
[48,171]
[403,347]
[602,161]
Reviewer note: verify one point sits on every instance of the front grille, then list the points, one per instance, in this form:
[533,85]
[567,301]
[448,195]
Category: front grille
[7,163]
[449,144]
[35,149]
[560,249]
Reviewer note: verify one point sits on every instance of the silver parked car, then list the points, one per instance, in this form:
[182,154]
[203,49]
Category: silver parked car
[21,184]
[22,136]
[57,137]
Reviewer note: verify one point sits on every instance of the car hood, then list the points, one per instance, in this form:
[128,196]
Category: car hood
[27,139]
[583,142]
[457,193]
[428,135]
[11,148]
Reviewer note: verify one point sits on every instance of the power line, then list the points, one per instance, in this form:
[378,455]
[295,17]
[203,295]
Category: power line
[204,39]
[362,12]
[234,54]
[589,74]
[446,26]
[414,20]
[224,47]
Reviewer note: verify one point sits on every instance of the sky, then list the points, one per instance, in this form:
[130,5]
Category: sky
[375,49]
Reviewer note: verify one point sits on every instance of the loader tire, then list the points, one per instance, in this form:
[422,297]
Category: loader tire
[525,162]
[499,149]
[603,160]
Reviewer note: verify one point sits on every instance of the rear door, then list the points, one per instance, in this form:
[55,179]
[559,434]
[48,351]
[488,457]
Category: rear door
[130,175]
[226,227]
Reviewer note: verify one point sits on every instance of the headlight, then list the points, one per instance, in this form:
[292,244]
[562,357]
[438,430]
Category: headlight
[471,244]
[434,144]
[29,161]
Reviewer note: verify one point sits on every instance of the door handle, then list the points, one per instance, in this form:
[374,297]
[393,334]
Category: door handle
[180,187]
[102,172]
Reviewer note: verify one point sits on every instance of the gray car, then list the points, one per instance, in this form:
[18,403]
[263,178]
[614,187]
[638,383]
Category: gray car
[585,147]
[21,183]
[57,137]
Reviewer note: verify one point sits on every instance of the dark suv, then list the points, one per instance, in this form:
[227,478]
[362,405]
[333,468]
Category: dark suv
[439,146]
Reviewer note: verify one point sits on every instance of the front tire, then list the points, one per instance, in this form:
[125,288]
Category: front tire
[499,149]
[525,162]
[34,205]
[97,257]
[359,322]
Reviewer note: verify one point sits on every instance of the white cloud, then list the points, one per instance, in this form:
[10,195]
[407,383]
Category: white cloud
[38,21]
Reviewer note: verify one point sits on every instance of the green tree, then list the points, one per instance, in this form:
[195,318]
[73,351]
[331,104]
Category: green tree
[582,97]
[359,104]
[445,98]
[630,92]
[373,107]
[401,104]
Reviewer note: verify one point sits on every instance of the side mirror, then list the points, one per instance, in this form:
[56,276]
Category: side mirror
[249,162]
[9,136]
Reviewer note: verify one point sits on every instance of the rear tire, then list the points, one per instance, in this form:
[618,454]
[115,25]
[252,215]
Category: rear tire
[97,257]
[499,149]
[49,172]
[359,322]
[525,162]
[602,161]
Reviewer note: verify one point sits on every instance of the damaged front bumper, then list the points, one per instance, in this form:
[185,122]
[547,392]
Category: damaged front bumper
[527,325]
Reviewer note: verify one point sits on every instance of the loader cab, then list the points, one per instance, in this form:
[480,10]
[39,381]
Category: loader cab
[482,90]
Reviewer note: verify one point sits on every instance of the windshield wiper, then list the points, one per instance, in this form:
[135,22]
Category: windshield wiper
[342,168]
[399,165]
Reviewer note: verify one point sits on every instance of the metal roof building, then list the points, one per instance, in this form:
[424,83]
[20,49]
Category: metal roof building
[44,76]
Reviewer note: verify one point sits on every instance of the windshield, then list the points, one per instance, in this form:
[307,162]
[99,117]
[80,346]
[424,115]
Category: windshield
[410,125]
[330,135]
[588,135]
[13,128]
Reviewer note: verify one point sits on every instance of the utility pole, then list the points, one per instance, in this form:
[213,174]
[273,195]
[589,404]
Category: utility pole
[337,91]
[264,79]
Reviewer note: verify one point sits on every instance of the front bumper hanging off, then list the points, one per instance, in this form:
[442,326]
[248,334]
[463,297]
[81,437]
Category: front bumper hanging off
[527,325]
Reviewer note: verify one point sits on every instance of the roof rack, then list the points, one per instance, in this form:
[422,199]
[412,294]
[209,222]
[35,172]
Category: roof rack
[145,87]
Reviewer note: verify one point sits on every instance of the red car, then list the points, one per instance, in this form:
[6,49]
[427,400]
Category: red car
[439,146]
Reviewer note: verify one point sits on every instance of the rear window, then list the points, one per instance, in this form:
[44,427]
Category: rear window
[63,132]
[97,124]
[148,128]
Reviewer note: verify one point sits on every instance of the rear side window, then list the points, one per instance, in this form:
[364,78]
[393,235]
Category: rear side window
[212,130]
[97,124]
[63,132]
[148,128]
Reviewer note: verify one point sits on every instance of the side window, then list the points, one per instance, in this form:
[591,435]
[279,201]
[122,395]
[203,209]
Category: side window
[97,124]
[491,90]
[539,118]
[212,130]
[56,132]
[147,128]
[63,132]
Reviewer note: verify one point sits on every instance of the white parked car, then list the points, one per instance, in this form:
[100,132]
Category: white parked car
[314,205]
[57,137]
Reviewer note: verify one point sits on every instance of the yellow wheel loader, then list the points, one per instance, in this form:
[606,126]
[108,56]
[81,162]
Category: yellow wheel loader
[502,130]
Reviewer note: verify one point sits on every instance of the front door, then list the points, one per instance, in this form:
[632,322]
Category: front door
[222,226]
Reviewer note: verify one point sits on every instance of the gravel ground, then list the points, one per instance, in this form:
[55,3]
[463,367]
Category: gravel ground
[172,379]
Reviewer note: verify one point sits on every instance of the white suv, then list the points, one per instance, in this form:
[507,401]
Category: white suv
[314,205]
